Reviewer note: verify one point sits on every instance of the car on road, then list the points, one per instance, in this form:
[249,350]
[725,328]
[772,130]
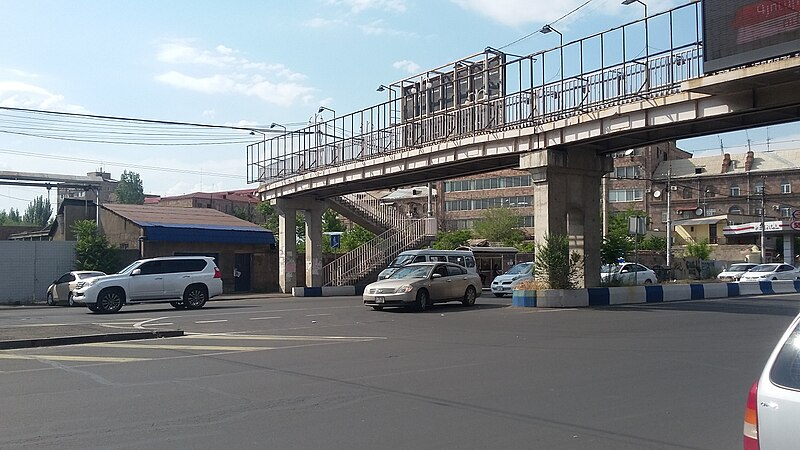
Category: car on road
[770,272]
[419,285]
[505,283]
[627,274]
[60,291]
[735,271]
[183,281]
[772,411]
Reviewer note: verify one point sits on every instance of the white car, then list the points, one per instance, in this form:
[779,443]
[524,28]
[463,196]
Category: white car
[770,272]
[627,274]
[505,283]
[183,281]
[773,403]
[60,290]
[419,285]
[735,271]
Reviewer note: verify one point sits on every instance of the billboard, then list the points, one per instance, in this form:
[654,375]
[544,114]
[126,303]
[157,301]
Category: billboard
[739,32]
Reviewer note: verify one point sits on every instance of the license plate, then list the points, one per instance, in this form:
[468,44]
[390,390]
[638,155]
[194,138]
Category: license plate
[380,300]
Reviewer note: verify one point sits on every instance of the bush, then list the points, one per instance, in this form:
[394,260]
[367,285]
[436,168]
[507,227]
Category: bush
[554,266]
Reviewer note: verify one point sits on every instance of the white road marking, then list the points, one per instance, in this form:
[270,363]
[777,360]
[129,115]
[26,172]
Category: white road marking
[265,318]
[212,321]
[275,337]
[72,358]
[145,322]
[317,315]
[213,348]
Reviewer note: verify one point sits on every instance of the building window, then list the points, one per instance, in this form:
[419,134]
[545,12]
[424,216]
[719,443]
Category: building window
[759,188]
[631,172]
[735,192]
[786,211]
[734,210]
[624,195]
[786,188]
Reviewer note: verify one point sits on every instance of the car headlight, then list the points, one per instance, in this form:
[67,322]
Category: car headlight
[404,289]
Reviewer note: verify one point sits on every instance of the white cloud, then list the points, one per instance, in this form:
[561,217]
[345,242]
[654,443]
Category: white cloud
[376,28]
[319,22]
[226,72]
[15,94]
[209,113]
[409,66]
[357,6]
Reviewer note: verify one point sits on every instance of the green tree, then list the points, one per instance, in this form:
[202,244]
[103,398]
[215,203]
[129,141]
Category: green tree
[13,217]
[618,242]
[129,189]
[500,225]
[270,214]
[93,251]
[700,250]
[449,240]
[656,243]
[554,265]
[331,221]
[38,212]
[355,237]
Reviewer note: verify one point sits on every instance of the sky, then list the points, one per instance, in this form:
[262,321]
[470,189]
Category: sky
[246,64]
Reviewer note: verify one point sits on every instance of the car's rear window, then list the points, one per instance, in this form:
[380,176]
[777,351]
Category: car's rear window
[786,369]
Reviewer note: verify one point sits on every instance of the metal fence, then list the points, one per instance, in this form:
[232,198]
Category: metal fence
[494,91]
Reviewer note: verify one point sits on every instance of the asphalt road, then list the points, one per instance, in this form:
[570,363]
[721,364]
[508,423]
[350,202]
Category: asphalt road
[328,373]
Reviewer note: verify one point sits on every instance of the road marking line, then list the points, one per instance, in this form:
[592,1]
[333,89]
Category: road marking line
[176,347]
[212,321]
[317,315]
[274,337]
[142,323]
[160,324]
[264,318]
[72,358]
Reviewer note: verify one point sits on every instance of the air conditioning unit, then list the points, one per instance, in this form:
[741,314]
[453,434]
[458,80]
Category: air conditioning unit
[673,188]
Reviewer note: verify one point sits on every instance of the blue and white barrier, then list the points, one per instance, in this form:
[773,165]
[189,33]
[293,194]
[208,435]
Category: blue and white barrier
[325,291]
[657,293]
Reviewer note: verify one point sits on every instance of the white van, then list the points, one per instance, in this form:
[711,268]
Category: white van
[463,258]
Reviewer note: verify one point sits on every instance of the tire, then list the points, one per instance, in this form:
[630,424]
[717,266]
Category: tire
[70,301]
[648,281]
[92,307]
[377,308]
[499,295]
[195,296]
[422,301]
[177,305]
[110,300]
[469,296]
[50,301]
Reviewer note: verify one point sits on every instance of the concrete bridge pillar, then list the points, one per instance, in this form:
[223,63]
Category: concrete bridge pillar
[287,244]
[313,216]
[788,248]
[566,196]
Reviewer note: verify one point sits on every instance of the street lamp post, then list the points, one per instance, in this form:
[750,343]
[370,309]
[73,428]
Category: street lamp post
[323,108]
[549,29]
[646,41]
[275,124]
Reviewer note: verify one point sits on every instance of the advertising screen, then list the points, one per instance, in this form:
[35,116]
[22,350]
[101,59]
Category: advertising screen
[738,32]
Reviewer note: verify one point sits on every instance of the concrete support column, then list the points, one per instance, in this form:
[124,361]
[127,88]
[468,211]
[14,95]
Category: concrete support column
[287,245]
[566,196]
[788,248]
[313,216]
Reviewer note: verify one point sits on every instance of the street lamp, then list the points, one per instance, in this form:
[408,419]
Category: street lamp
[263,136]
[549,29]
[646,41]
[275,124]
[323,108]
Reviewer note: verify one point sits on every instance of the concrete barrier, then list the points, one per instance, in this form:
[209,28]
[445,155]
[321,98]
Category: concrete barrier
[325,291]
[657,293]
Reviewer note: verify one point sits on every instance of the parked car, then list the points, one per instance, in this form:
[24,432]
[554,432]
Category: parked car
[461,257]
[60,291]
[772,411]
[420,285]
[505,283]
[735,271]
[627,274]
[770,272]
[183,281]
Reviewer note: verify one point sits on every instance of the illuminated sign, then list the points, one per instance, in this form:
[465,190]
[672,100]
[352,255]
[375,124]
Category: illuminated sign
[739,32]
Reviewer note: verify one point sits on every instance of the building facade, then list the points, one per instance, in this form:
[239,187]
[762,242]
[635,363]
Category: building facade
[240,203]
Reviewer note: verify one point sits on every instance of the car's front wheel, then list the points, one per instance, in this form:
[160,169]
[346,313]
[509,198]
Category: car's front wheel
[195,297]
[469,297]
[178,305]
[50,301]
[70,300]
[110,300]
[377,308]
[422,300]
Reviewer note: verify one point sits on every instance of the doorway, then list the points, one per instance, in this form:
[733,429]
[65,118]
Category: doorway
[241,272]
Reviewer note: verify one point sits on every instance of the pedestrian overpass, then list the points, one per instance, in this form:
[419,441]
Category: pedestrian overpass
[558,113]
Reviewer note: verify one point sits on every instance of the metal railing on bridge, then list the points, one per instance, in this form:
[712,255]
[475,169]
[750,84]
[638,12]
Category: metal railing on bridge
[494,91]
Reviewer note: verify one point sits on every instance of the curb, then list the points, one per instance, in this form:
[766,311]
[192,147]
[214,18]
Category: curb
[86,339]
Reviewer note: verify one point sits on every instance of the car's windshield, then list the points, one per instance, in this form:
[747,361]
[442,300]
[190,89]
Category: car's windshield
[402,260]
[128,269]
[739,268]
[519,268]
[411,272]
[610,268]
[764,268]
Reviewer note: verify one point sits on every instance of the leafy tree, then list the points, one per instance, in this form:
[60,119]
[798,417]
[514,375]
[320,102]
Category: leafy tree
[700,250]
[14,217]
[656,243]
[93,251]
[270,214]
[618,242]
[554,265]
[500,225]
[331,221]
[129,189]
[38,212]
[355,237]
[449,240]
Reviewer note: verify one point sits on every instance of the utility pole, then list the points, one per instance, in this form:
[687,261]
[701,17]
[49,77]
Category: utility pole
[669,216]
[763,239]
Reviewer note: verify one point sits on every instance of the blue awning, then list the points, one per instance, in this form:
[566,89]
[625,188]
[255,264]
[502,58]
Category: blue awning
[207,233]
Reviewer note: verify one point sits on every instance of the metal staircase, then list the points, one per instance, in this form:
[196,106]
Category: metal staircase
[367,211]
[367,260]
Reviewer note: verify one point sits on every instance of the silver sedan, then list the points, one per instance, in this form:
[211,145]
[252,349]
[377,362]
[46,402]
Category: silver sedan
[420,285]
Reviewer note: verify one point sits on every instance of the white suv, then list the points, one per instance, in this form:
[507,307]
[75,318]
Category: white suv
[183,281]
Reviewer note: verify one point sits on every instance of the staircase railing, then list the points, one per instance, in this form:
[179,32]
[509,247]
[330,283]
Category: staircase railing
[375,254]
[372,207]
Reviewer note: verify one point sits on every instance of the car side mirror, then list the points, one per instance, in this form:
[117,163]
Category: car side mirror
[436,275]
[136,272]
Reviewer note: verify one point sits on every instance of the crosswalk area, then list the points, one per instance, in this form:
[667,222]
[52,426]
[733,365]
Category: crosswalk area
[188,346]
